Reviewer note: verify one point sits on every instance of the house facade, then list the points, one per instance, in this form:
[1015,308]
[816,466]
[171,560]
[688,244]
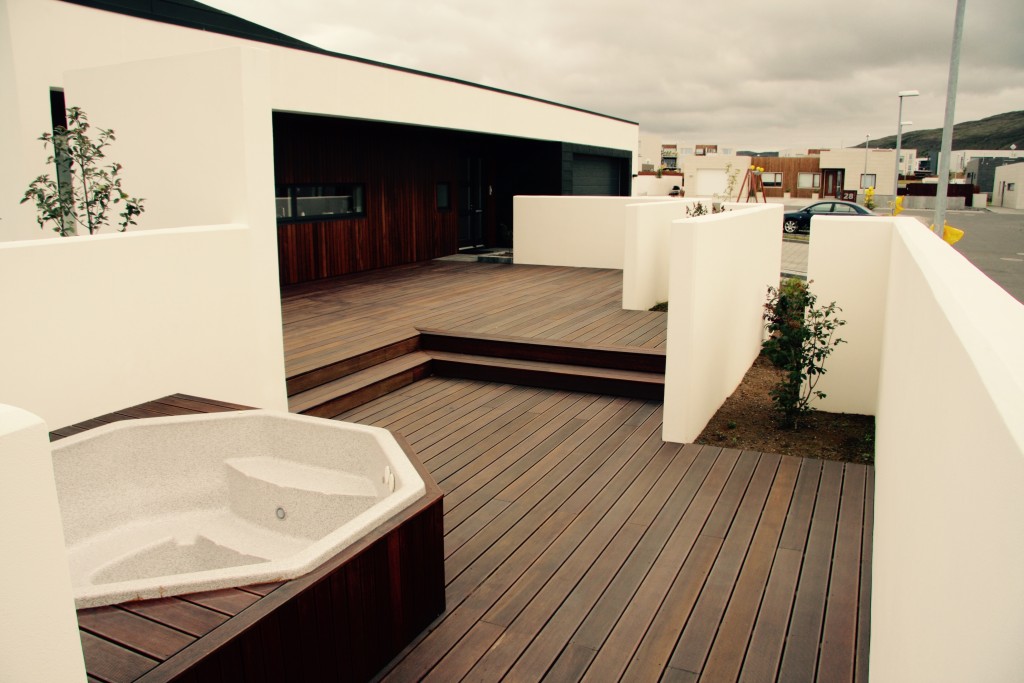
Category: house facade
[371,165]
[1008,186]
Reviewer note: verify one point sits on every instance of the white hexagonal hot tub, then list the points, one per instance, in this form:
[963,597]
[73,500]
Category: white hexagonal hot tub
[173,505]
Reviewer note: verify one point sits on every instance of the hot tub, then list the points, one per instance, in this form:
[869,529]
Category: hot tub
[165,506]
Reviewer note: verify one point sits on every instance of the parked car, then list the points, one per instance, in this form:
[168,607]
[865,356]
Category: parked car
[800,221]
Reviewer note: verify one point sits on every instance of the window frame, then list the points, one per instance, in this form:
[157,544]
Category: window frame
[815,180]
[874,180]
[293,192]
[776,179]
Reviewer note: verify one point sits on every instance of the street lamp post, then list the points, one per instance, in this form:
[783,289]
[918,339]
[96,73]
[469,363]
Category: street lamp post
[899,143]
[867,148]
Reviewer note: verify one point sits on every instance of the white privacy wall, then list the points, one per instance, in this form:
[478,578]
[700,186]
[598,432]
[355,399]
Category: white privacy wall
[848,263]
[721,267]
[39,638]
[943,351]
[646,251]
[576,231]
[101,323]
[645,268]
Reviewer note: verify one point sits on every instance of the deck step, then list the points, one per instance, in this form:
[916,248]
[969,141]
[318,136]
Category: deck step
[584,378]
[331,371]
[350,390]
[544,350]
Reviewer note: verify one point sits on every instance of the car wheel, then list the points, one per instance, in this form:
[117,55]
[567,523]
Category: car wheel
[790,226]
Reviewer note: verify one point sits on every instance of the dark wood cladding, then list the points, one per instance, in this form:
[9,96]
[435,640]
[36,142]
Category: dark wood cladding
[400,167]
[400,170]
[790,167]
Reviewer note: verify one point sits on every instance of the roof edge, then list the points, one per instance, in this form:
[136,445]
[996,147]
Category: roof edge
[195,15]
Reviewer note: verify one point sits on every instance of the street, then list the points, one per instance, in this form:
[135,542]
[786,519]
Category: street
[993,241]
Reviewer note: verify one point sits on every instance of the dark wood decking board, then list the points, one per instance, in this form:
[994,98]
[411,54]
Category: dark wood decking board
[328,321]
[579,545]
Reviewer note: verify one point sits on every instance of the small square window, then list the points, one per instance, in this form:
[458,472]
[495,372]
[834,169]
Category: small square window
[1012,187]
[867,180]
[444,196]
[808,181]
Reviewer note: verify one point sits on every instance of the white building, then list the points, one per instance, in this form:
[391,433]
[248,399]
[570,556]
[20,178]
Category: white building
[1008,190]
[429,164]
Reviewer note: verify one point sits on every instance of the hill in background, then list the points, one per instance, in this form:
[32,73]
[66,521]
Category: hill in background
[995,132]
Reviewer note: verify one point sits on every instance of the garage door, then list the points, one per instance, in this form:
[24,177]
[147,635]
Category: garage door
[710,181]
[595,175]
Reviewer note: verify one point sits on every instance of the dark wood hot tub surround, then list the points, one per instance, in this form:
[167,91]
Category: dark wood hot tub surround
[343,621]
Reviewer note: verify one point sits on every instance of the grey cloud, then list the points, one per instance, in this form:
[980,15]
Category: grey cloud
[790,73]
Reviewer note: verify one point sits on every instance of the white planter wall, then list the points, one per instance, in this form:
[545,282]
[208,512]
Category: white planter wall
[721,267]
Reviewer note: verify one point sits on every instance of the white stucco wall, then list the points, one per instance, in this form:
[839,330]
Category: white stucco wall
[645,267]
[1002,195]
[39,638]
[45,39]
[935,347]
[578,231]
[721,267]
[101,323]
[653,186]
[947,585]
[850,266]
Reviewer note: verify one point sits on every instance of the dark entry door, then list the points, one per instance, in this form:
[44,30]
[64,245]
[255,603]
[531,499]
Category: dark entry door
[471,203]
[831,182]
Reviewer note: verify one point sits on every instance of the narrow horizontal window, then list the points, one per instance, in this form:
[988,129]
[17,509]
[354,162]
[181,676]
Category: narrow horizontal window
[309,202]
[771,179]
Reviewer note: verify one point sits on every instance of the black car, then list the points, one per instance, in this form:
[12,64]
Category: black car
[800,221]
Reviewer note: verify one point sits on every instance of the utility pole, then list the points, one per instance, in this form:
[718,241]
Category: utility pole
[942,191]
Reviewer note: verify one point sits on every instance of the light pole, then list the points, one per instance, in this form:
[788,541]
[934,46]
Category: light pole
[899,143]
[867,148]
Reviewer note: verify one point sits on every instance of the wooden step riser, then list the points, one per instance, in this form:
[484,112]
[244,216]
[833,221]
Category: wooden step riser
[353,399]
[349,366]
[565,353]
[550,379]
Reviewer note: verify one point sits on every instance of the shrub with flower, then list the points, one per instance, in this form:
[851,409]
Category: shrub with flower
[869,198]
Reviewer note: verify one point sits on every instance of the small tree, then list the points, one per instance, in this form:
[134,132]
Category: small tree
[85,191]
[800,338]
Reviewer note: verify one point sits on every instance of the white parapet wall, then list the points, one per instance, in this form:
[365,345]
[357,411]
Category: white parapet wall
[94,324]
[581,232]
[39,638]
[944,353]
[721,267]
[645,268]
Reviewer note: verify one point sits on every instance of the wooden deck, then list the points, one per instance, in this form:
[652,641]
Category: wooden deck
[579,546]
[335,319]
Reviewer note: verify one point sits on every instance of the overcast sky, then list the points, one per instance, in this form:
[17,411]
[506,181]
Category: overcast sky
[755,75]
